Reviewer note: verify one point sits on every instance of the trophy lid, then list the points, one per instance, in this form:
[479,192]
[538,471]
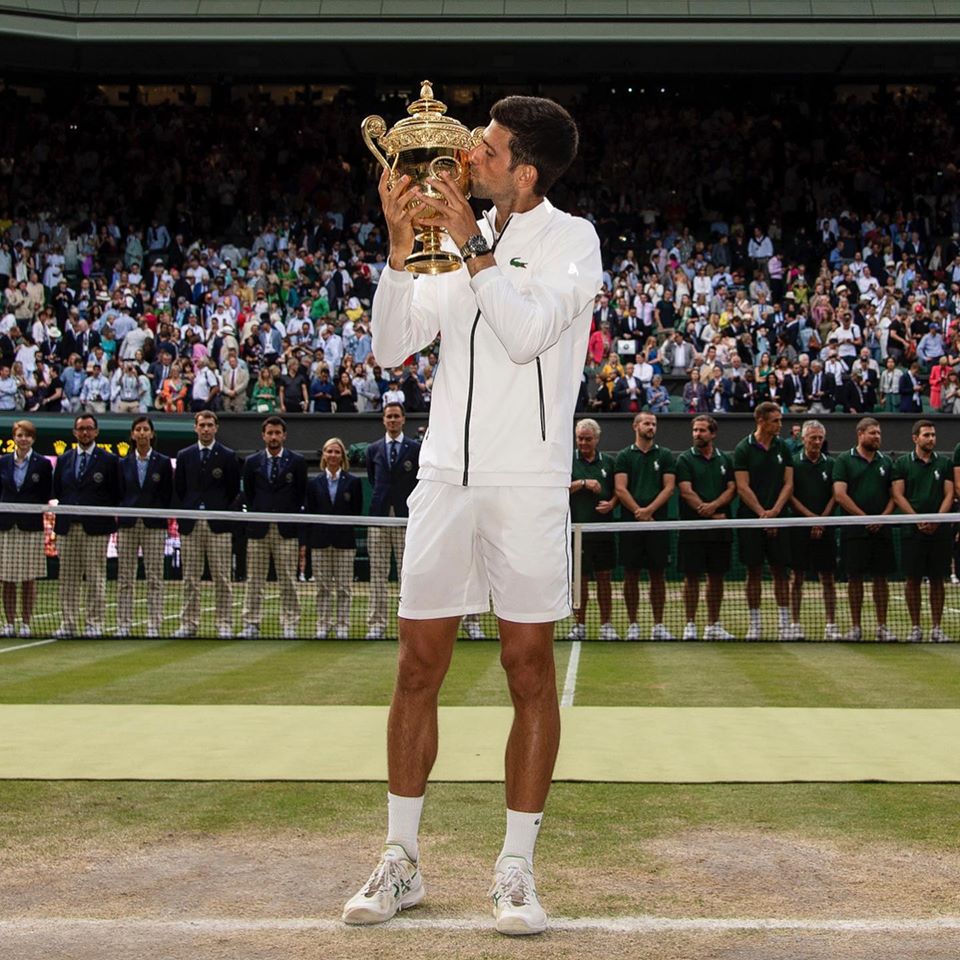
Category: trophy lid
[426,127]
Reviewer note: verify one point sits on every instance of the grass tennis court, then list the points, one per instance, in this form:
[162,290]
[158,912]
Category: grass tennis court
[261,869]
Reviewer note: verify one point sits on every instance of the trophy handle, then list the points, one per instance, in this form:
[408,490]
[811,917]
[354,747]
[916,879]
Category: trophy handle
[476,136]
[375,127]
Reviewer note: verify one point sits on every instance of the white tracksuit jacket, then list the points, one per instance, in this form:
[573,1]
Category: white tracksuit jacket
[512,349]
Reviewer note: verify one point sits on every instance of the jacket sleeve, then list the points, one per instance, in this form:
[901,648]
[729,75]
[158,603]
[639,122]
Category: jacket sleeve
[531,317]
[405,316]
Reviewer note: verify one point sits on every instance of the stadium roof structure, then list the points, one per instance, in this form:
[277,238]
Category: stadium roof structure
[509,39]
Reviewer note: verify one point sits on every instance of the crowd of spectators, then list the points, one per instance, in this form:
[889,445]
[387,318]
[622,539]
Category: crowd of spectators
[797,249]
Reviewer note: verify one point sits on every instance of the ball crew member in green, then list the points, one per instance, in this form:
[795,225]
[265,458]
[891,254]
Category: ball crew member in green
[707,488]
[862,478]
[645,478]
[592,500]
[923,483]
[813,549]
[764,472]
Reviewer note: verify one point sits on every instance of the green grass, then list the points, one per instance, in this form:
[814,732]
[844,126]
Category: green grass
[359,672]
[588,824]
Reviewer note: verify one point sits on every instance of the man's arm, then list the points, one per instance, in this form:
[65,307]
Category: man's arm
[747,497]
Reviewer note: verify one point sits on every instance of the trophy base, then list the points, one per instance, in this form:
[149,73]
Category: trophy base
[433,263]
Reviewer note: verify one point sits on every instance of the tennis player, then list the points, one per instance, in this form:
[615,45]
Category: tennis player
[490,514]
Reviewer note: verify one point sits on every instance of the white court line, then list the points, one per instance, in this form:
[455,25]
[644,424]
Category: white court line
[23,646]
[570,682]
[618,925]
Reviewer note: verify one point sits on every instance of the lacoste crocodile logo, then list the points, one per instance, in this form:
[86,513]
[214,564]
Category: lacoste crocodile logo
[517,262]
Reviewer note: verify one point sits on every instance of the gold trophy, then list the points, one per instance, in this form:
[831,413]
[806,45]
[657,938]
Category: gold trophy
[425,144]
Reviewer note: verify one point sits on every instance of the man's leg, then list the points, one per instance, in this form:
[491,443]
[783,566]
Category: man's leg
[936,600]
[258,562]
[95,573]
[220,557]
[526,653]
[691,595]
[426,647]
[70,577]
[604,596]
[855,595]
[912,596]
[378,549]
[881,597]
[192,549]
[631,593]
[286,552]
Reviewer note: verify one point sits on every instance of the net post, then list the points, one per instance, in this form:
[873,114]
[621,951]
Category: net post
[577,565]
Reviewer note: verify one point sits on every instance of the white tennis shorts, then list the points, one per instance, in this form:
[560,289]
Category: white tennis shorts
[464,543]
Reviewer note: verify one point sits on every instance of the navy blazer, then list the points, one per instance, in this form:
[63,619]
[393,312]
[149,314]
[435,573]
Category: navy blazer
[155,494]
[100,487]
[215,486]
[392,487]
[37,488]
[284,496]
[906,395]
[348,503]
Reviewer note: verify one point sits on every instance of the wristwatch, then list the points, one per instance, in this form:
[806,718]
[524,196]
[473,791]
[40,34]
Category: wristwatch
[476,246]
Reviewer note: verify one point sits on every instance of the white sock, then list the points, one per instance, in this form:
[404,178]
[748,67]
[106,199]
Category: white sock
[522,830]
[783,616]
[403,822]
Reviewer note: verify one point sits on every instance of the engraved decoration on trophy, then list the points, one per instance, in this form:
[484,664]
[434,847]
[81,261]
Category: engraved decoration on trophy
[425,144]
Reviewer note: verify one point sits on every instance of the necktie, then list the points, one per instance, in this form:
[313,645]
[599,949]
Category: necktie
[82,464]
[393,454]
[274,469]
[204,456]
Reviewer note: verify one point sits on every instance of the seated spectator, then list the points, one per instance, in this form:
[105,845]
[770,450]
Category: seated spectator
[174,392]
[263,398]
[658,399]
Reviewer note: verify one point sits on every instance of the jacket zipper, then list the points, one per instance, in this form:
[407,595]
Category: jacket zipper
[469,410]
[543,415]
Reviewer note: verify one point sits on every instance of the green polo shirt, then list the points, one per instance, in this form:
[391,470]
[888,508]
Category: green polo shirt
[813,481]
[956,455]
[709,478]
[922,482]
[645,473]
[868,484]
[583,503]
[766,468]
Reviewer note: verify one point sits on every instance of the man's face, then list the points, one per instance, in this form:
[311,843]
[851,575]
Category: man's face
[490,172]
[926,439]
[702,437]
[628,370]
[205,429]
[85,432]
[393,421]
[772,423]
[273,438]
[587,442]
[869,438]
[645,426]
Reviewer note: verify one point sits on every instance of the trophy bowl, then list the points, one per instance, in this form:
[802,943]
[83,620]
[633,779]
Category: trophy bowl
[425,144]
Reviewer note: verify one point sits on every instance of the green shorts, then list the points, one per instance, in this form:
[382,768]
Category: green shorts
[697,556]
[599,553]
[926,555]
[645,551]
[757,545]
[813,555]
[869,556]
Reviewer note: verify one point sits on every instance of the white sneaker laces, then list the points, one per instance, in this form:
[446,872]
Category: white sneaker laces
[514,886]
[389,877]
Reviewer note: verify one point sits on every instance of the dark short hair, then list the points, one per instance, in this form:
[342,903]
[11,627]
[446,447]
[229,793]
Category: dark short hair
[274,422]
[397,404]
[865,423]
[207,415]
[765,409]
[921,425]
[542,134]
[85,416]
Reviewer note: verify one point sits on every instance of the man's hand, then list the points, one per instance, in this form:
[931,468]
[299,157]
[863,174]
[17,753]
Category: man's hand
[605,506]
[451,210]
[399,216]
[592,485]
[706,509]
[642,513]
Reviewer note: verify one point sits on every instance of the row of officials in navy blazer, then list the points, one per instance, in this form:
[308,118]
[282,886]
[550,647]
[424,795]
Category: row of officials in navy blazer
[208,476]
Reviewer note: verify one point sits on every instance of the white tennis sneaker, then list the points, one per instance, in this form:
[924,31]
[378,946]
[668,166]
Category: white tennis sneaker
[915,636]
[753,633]
[633,632]
[660,632]
[938,636]
[831,632]
[715,631]
[475,631]
[578,632]
[608,632]
[690,630]
[395,885]
[886,635]
[516,907]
